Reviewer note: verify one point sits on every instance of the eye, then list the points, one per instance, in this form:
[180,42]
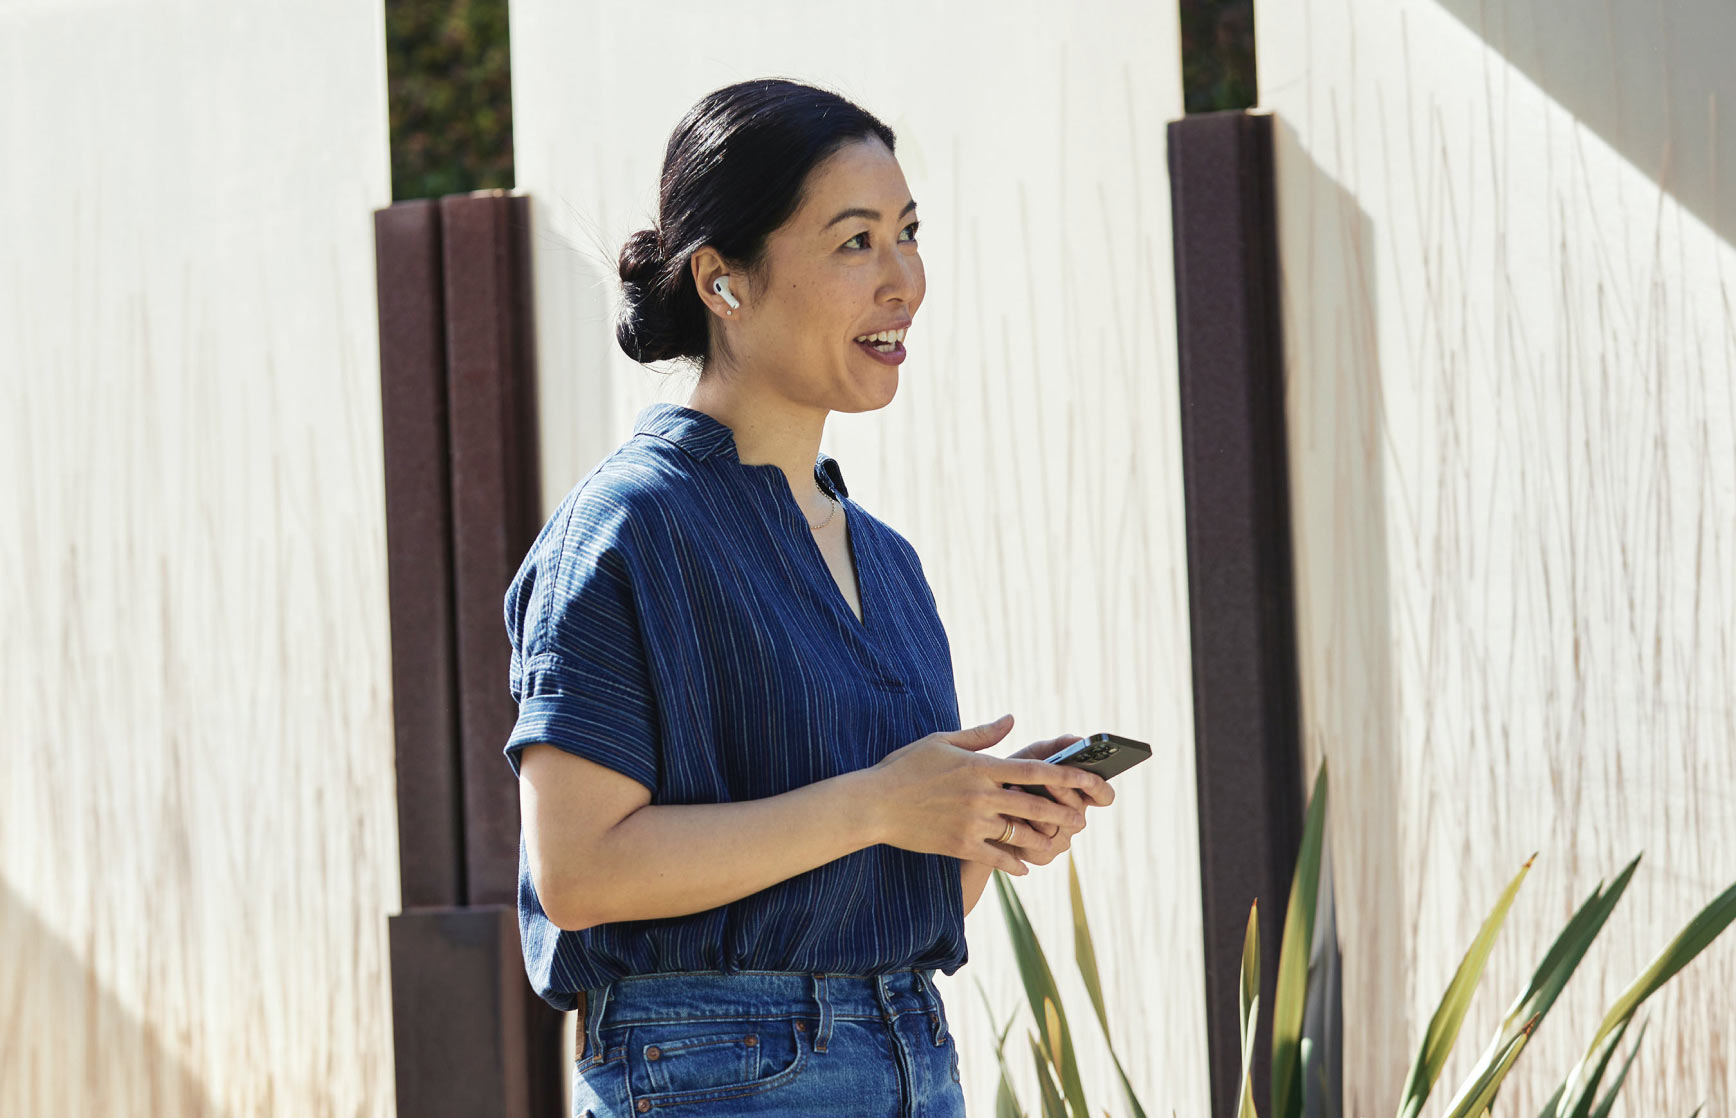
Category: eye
[911,227]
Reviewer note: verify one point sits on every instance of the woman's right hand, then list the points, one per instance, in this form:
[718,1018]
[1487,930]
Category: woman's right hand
[937,796]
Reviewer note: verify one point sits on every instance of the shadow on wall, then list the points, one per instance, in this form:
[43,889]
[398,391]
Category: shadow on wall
[1337,434]
[45,986]
[1650,77]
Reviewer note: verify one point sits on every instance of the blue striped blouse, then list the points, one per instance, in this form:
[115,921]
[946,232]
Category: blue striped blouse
[676,621]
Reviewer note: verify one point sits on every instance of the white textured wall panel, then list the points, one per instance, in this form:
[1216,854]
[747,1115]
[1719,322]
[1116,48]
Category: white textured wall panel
[197,816]
[1511,350]
[1032,454]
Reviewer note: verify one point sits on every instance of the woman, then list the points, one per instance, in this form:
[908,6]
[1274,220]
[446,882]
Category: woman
[752,826]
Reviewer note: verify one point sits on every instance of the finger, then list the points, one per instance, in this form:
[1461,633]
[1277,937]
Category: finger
[1088,797]
[1000,858]
[1076,798]
[1039,849]
[1023,835]
[1047,830]
[983,736]
[1038,809]
[1054,745]
[1072,797]
[1015,771]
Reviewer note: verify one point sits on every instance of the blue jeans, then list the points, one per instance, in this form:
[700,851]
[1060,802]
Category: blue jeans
[705,1043]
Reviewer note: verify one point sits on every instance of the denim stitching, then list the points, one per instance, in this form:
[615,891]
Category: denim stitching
[735,1091]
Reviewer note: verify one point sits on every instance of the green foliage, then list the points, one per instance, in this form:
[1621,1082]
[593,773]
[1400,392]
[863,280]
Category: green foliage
[449,96]
[1443,1028]
[1217,55]
[1063,1094]
[1292,989]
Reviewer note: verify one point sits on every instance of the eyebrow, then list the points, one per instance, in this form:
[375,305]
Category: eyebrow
[871,215]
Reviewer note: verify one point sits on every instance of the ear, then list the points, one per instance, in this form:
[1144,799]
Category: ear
[706,266]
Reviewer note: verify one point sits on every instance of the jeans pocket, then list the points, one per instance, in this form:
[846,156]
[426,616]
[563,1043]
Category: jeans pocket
[690,1061]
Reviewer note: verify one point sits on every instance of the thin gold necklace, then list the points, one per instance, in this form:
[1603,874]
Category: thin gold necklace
[835,507]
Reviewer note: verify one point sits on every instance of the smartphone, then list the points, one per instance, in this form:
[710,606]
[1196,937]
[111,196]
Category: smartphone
[1102,753]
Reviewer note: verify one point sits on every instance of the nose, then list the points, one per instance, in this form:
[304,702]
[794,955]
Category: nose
[903,277]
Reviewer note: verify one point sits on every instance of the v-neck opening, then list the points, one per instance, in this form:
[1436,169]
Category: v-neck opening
[855,571]
[852,552]
[850,555]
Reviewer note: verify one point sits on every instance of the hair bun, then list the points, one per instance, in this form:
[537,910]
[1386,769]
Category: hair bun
[642,259]
[646,328]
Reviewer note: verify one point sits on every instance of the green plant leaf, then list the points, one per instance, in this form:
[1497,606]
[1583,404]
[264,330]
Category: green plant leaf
[1083,952]
[1249,1006]
[1603,1108]
[1475,1096]
[1006,1100]
[1055,1038]
[1053,1107]
[1250,985]
[1443,1030]
[1707,925]
[1086,956]
[1546,984]
[1565,954]
[1291,993]
[1579,1104]
[1245,1108]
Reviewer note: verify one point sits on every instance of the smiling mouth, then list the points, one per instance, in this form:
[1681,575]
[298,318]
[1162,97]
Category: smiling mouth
[886,340]
[885,353]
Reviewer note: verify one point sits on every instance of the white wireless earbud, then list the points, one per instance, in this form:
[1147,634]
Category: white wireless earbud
[721,286]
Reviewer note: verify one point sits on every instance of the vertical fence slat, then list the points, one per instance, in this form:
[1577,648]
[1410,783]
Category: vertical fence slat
[1247,733]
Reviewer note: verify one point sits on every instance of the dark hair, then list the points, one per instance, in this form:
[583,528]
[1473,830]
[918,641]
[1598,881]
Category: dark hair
[734,171]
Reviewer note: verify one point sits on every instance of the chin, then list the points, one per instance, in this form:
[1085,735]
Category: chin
[883,392]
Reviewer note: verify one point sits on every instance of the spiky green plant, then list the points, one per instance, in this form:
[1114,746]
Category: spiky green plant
[1063,1092]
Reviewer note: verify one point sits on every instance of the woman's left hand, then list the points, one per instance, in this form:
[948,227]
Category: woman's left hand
[1041,843]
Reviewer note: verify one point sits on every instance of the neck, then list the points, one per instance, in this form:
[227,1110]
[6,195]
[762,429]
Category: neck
[771,430]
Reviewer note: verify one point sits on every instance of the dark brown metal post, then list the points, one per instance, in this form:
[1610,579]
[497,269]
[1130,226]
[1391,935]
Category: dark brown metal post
[1247,735]
[419,553]
[460,1016]
[463,506]
[495,503]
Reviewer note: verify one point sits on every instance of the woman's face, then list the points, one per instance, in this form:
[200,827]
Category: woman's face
[830,279]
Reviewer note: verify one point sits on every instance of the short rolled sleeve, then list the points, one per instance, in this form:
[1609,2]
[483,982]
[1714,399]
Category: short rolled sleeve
[581,674]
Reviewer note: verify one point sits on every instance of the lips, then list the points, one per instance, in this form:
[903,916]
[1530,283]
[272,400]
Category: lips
[894,356]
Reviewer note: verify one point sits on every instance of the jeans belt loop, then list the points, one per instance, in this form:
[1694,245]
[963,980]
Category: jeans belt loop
[593,1024]
[825,1002]
[926,981]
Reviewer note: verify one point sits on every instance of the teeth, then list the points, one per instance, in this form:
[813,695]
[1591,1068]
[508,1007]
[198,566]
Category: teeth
[884,336]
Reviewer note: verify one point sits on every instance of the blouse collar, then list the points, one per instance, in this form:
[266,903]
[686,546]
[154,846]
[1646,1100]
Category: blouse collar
[702,435]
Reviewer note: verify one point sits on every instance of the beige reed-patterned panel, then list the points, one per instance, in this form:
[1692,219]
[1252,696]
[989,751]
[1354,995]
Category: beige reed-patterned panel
[1507,251]
[197,820]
